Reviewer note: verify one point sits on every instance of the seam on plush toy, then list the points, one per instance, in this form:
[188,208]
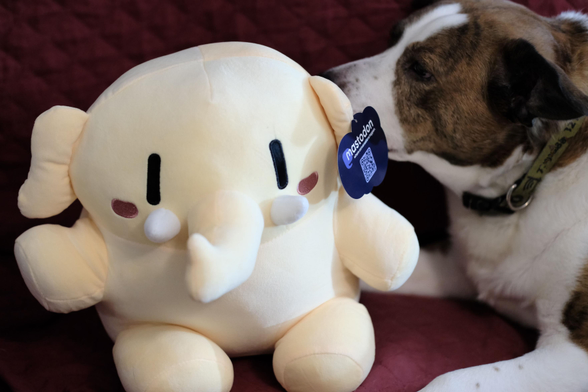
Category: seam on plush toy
[291,227]
[202,60]
[106,233]
[207,78]
[301,318]
[44,302]
[357,265]
[132,82]
[292,64]
[80,251]
[316,354]
[77,298]
[170,369]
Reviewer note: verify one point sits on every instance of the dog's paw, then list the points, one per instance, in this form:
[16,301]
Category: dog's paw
[441,384]
[463,380]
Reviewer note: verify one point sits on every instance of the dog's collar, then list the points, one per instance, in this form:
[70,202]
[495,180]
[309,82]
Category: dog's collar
[520,193]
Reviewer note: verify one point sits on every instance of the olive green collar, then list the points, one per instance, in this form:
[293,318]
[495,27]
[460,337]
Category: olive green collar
[520,194]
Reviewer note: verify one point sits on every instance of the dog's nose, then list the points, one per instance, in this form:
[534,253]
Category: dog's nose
[336,76]
[328,74]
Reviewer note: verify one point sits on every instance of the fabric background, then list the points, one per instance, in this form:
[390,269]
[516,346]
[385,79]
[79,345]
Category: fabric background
[66,52]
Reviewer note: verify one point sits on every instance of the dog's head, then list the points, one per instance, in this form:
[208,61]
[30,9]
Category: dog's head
[469,89]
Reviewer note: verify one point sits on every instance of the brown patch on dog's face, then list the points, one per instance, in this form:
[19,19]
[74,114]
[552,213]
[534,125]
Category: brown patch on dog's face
[575,317]
[572,48]
[573,57]
[465,80]
[448,114]
[450,92]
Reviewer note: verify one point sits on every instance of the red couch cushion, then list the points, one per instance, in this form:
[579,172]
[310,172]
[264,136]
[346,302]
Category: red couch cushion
[66,52]
[416,340]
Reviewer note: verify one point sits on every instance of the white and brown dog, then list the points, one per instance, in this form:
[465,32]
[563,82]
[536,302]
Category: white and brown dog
[473,91]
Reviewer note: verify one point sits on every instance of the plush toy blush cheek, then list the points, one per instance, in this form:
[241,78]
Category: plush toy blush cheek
[124,208]
[307,184]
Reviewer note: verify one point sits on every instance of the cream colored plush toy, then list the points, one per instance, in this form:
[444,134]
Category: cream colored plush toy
[214,224]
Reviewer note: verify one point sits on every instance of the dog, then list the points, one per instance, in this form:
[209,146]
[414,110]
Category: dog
[485,95]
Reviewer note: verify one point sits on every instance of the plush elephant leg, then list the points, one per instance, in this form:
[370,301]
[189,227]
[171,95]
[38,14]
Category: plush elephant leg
[165,358]
[330,350]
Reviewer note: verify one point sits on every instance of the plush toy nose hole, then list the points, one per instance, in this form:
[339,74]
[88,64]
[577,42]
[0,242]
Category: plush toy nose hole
[125,209]
[307,184]
[161,226]
[288,209]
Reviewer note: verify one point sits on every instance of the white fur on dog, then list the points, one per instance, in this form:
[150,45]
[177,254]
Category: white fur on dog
[383,67]
[525,265]
[574,16]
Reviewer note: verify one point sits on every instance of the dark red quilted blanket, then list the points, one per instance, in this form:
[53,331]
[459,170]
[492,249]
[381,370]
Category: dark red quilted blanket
[65,52]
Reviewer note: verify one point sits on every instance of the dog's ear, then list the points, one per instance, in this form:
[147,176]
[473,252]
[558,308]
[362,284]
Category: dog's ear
[396,33]
[416,5]
[528,86]
[47,190]
[398,29]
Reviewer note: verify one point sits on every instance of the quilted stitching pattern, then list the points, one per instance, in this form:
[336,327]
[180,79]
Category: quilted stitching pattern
[66,52]
[412,348]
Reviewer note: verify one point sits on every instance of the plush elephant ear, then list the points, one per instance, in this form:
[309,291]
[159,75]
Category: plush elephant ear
[336,105]
[47,190]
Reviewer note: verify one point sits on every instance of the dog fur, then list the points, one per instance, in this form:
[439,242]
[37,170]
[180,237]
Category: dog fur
[471,90]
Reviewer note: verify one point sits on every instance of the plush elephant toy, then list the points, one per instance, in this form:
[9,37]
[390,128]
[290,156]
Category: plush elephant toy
[214,224]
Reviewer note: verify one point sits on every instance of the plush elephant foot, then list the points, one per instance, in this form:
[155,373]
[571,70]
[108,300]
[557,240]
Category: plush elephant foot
[330,350]
[162,358]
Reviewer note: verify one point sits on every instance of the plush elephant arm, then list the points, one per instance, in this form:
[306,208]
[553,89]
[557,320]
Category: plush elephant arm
[375,243]
[64,268]
[225,234]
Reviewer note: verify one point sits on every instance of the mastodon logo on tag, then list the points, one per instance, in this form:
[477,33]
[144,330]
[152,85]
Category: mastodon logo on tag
[348,158]
[366,143]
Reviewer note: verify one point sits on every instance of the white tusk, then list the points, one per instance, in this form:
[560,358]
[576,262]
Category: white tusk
[288,209]
[161,226]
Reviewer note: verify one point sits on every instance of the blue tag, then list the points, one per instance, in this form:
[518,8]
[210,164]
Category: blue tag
[363,154]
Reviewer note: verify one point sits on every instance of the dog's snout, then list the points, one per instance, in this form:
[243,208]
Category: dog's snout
[329,74]
[336,76]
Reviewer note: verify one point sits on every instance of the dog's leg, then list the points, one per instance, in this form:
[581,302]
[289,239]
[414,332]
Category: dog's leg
[439,273]
[516,311]
[559,366]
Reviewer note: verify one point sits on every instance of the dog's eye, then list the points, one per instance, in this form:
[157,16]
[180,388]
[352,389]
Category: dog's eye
[420,71]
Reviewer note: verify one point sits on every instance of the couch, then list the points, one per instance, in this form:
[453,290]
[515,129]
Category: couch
[66,52]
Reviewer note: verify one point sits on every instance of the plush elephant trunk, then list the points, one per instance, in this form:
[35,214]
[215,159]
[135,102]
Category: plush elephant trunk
[225,233]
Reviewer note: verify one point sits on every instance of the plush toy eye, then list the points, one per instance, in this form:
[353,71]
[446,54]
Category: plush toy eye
[153,173]
[307,184]
[279,163]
